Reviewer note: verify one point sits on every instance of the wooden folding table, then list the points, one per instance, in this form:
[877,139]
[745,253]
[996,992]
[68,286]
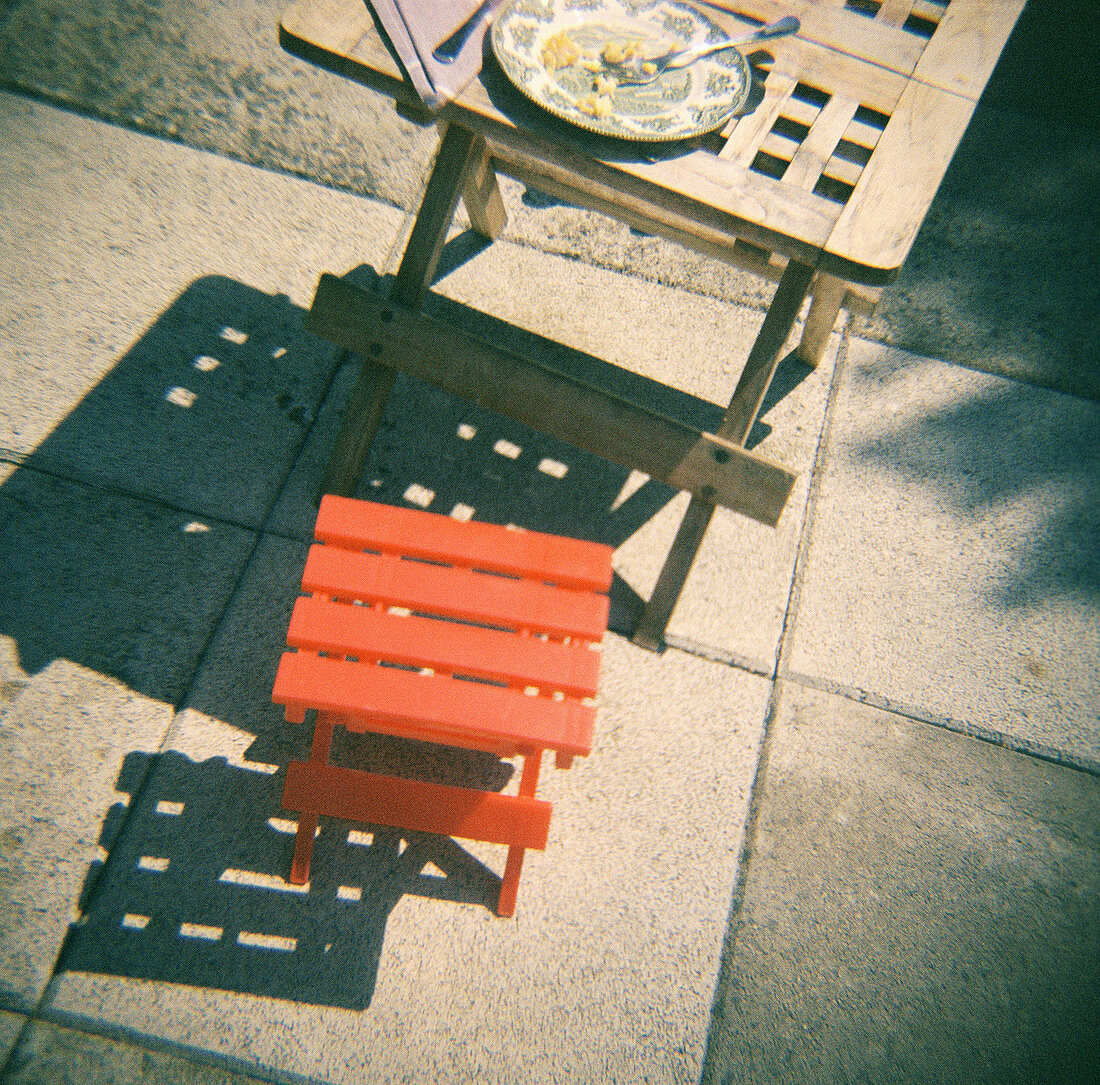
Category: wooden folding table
[821,185]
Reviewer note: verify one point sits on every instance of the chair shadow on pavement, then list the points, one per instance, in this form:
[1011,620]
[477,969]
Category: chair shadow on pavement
[123,533]
[156,536]
[194,891]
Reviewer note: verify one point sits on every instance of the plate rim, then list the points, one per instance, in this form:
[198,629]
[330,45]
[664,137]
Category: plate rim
[581,120]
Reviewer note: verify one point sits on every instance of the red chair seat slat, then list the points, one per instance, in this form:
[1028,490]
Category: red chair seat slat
[455,593]
[322,626]
[574,563]
[439,709]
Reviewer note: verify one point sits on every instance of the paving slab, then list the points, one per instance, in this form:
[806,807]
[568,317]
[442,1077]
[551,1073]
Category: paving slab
[11,1025]
[155,292]
[213,76]
[917,905]
[125,588]
[106,605]
[50,1053]
[63,742]
[956,533]
[393,960]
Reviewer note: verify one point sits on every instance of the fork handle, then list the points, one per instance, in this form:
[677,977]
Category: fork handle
[779,29]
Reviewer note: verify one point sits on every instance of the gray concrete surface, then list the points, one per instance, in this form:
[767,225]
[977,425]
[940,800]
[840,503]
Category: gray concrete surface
[52,1053]
[844,831]
[156,290]
[917,906]
[11,1026]
[955,529]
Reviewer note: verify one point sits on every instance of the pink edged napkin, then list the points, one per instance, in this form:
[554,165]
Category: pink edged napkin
[416,27]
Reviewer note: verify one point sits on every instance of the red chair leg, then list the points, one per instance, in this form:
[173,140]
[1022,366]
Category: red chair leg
[303,848]
[307,819]
[509,888]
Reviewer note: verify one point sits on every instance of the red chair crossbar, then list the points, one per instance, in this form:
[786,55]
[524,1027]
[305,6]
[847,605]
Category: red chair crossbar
[462,634]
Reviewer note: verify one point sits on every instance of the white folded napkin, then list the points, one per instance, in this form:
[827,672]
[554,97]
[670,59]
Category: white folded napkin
[416,27]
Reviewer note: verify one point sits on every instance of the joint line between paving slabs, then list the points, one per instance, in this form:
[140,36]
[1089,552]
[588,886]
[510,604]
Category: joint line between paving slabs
[737,896]
[726,658]
[99,486]
[198,1056]
[1017,745]
[948,723]
[794,597]
[774,673]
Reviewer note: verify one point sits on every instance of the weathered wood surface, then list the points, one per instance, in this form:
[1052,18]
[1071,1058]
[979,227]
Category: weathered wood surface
[831,172]
[556,402]
[813,173]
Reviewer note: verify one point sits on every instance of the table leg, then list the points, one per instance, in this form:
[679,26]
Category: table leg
[735,427]
[459,152]
[828,298]
[481,195]
[362,419]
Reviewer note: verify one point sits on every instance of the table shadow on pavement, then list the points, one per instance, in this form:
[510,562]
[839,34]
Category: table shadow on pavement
[1003,274]
[123,533]
[124,539]
[194,892]
[995,449]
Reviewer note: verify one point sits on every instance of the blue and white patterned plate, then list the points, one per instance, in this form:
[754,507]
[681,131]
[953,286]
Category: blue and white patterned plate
[544,47]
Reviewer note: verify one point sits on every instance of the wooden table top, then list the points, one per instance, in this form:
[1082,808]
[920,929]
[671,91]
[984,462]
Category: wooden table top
[851,128]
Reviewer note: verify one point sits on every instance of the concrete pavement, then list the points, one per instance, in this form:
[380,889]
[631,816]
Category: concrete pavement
[843,830]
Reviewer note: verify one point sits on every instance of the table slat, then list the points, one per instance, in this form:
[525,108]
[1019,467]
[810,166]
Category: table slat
[963,52]
[817,148]
[881,219]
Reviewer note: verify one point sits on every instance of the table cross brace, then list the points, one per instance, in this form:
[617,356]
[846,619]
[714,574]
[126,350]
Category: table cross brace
[582,413]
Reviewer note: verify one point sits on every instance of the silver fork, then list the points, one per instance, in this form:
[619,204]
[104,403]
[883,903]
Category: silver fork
[637,71]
